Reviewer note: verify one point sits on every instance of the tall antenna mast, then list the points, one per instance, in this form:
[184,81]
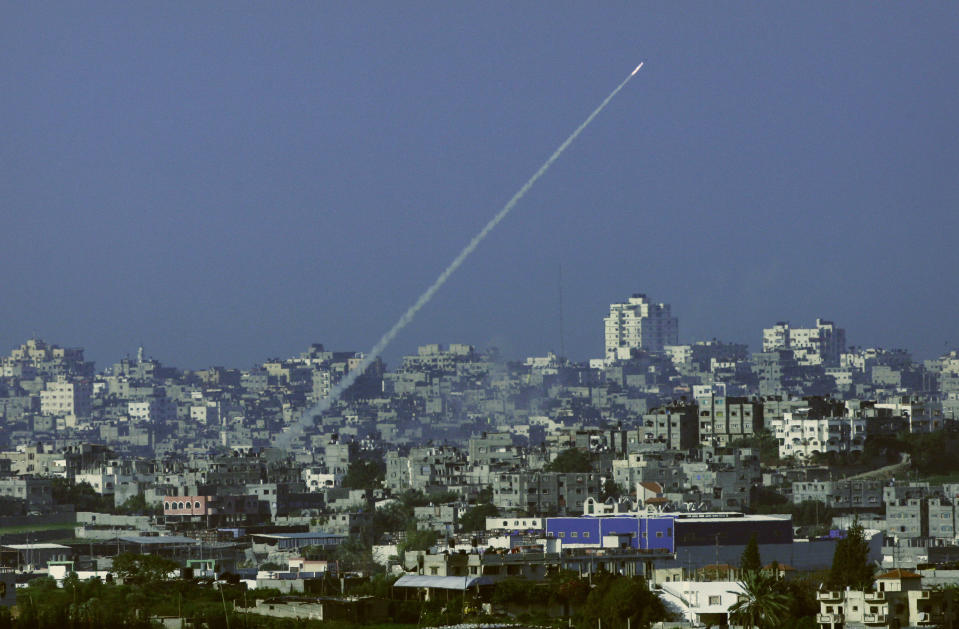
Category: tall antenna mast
[562,335]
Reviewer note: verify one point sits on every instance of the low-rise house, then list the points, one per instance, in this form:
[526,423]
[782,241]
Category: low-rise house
[899,600]
[701,603]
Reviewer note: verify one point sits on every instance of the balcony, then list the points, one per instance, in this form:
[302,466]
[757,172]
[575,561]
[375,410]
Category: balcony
[874,619]
[829,619]
[829,596]
[875,597]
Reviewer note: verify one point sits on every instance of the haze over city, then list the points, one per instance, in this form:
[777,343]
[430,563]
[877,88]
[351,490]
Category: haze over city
[221,182]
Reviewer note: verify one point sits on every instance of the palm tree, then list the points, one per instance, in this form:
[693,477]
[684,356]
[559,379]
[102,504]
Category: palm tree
[762,602]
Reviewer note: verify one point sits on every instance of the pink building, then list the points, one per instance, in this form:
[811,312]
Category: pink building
[227,507]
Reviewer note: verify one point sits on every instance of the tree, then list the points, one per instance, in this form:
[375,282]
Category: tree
[610,490]
[474,518]
[355,554]
[763,602]
[750,561]
[364,474]
[568,588]
[144,569]
[571,461]
[850,561]
[616,599]
[391,517]
[416,540]
[765,441]
[81,495]
[515,592]
[137,505]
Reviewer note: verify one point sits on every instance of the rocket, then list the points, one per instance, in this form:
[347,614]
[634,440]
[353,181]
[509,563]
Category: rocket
[633,73]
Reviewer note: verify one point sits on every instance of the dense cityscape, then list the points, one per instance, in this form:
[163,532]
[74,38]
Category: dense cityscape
[660,483]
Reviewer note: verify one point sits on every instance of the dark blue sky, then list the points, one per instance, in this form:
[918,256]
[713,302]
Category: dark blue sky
[223,182]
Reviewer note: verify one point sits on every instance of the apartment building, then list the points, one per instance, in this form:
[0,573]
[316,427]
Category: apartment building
[802,434]
[841,494]
[819,345]
[724,419]
[899,600]
[639,324]
[544,492]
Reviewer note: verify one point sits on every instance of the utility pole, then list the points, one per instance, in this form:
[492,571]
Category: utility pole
[562,341]
[717,554]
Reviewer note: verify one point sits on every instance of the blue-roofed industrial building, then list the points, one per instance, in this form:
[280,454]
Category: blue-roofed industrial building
[629,531]
[667,532]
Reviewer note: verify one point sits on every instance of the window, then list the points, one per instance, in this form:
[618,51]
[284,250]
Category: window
[574,534]
[561,534]
[659,533]
[434,570]
[196,505]
[715,600]
[586,534]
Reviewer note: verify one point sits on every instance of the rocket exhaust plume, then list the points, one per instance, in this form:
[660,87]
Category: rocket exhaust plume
[306,419]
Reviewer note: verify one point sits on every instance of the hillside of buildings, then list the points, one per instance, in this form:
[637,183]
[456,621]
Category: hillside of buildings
[461,472]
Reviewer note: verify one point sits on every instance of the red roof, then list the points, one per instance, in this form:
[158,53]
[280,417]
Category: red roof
[899,573]
[651,486]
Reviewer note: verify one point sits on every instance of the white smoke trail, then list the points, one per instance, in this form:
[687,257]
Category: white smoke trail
[297,429]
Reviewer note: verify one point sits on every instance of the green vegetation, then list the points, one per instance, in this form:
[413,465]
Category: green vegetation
[81,495]
[94,604]
[765,442]
[365,474]
[417,540]
[149,593]
[29,528]
[850,562]
[614,599]
[137,505]
[764,602]
[143,569]
[610,490]
[750,561]
[571,461]
[933,453]
[474,518]
[85,498]
[353,554]
[398,515]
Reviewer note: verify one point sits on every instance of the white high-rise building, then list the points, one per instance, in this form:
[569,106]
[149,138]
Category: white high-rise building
[821,345]
[639,324]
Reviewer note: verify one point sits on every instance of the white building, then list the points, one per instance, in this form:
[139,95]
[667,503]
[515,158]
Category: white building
[802,436]
[821,345]
[317,479]
[153,410]
[65,397]
[639,324]
[701,603]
